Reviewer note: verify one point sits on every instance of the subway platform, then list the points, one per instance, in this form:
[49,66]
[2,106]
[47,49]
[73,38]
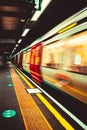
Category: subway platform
[21,109]
[18,111]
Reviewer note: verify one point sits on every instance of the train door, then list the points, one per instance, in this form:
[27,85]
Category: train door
[20,60]
[15,60]
[35,62]
[26,61]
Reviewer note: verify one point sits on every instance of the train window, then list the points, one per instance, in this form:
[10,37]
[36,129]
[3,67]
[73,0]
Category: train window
[23,57]
[33,56]
[37,55]
[68,54]
[50,56]
[18,58]
[76,53]
[27,57]
[77,60]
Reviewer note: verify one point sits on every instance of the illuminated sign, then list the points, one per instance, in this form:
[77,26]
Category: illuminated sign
[38,4]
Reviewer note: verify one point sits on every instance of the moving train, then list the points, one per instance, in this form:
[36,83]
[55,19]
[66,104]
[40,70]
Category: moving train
[60,60]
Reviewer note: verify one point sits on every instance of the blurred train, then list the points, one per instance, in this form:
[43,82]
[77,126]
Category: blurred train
[60,61]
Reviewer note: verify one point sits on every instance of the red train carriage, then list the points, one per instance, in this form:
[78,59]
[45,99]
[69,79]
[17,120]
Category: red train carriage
[35,62]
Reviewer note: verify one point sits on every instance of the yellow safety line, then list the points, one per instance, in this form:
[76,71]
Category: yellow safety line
[47,125]
[20,106]
[57,115]
[28,83]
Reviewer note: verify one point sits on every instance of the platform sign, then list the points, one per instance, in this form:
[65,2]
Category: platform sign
[38,4]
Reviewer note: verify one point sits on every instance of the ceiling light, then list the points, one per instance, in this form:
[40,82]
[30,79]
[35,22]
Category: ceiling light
[25,32]
[19,40]
[38,13]
[22,20]
[16,45]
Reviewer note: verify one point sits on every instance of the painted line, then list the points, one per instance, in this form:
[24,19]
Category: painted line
[31,122]
[58,116]
[77,120]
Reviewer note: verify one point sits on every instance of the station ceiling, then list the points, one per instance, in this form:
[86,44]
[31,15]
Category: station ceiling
[16,14]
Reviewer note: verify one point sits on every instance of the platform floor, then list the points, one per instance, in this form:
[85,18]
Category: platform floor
[18,111]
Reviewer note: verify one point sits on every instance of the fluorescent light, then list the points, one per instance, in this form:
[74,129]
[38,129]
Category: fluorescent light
[16,45]
[22,20]
[19,40]
[38,13]
[25,32]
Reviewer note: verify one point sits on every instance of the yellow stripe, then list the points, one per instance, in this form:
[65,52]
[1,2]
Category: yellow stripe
[28,83]
[19,104]
[20,97]
[68,27]
[63,122]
